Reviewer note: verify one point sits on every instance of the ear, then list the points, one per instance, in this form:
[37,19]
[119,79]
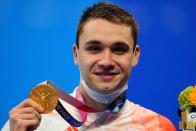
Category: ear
[75,54]
[136,56]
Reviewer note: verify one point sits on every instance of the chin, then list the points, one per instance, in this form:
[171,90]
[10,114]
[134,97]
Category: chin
[105,89]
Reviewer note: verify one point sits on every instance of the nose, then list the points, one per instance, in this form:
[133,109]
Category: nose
[106,62]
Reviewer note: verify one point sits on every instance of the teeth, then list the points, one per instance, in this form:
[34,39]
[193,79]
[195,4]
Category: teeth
[106,73]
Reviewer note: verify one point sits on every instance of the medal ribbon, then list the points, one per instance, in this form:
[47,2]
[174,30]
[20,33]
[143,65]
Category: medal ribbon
[82,108]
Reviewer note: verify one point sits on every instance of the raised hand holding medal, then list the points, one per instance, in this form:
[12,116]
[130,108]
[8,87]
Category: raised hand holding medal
[46,95]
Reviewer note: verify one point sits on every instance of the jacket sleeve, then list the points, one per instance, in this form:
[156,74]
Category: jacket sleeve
[165,124]
[6,127]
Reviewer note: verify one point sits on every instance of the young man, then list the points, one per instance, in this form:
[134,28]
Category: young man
[106,50]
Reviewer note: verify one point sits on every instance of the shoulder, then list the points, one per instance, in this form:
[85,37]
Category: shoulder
[150,119]
[165,123]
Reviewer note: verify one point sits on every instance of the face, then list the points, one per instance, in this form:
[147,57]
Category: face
[105,55]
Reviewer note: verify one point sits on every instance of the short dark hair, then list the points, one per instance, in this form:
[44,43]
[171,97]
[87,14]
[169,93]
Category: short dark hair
[109,12]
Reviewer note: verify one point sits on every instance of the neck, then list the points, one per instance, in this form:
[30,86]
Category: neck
[92,103]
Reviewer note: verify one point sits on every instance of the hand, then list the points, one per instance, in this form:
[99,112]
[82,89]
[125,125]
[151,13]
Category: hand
[25,116]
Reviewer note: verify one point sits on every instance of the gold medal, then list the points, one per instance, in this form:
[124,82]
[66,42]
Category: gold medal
[46,96]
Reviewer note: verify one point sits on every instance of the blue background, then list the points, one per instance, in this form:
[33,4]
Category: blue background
[36,38]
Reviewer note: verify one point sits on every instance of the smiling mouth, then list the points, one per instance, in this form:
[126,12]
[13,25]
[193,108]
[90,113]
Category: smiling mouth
[106,76]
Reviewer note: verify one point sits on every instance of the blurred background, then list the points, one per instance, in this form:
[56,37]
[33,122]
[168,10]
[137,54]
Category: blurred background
[36,38]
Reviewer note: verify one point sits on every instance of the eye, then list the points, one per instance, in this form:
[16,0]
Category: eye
[94,48]
[120,49]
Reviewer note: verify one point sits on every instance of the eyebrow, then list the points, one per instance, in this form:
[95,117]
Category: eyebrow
[96,42]
[121,43]
[93,42]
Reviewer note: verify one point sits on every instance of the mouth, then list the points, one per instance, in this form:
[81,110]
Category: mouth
[106,76]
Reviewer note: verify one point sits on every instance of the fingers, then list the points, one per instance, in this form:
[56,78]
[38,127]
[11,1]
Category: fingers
[28,113]
[23,125]
[30,103]
[25,116]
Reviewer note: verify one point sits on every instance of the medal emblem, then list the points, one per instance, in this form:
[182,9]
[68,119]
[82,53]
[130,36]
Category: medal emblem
[45,96]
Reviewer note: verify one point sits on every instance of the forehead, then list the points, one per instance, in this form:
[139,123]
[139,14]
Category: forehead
[105,32]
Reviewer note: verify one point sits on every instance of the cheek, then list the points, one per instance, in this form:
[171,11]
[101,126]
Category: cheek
[85,63]
[91,59]
[125,64]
